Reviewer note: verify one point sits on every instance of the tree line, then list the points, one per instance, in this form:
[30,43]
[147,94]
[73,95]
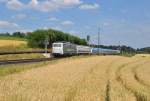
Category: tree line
[15,34]
[39,37]
[144,50]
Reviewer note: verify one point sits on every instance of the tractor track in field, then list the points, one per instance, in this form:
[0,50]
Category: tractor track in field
[112,78]
[108,87]
[72,92]
[134,70]
[138,95]
[119,79]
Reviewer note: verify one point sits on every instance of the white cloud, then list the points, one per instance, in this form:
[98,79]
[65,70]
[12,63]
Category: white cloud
[73,32]
[23,30]
[51,5]
[105,24]
[44,6]
[89,6]
[67,2]
[45,28]
[47,6]
[67,23]
[15,4]
[41,5]
[53,19]
[51,27]
[33,3]
[7,25]
[19,16]
[57,28]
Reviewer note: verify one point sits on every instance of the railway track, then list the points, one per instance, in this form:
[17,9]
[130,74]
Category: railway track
[7,62]
[23,52]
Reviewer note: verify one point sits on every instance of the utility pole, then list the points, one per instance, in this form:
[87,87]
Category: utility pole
[119,46]
[46,44]
[99,41]
[88,39]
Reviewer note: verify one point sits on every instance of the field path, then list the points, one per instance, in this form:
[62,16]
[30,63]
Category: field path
[95,78]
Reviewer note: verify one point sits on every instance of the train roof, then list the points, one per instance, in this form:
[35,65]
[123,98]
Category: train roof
[103,49]
[61,42]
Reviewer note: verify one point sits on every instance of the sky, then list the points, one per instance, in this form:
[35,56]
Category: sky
[125,22]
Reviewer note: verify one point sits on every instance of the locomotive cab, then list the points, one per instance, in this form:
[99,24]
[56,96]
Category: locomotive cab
[57,49]
[63,49]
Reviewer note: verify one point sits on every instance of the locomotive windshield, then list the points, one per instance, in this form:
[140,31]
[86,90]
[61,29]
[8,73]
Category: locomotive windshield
[57,45]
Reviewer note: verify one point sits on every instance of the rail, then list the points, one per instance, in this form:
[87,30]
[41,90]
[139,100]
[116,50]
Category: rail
[22,52]
[7,62]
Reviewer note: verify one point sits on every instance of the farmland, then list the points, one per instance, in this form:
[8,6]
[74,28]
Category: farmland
[95,78]
[12,43]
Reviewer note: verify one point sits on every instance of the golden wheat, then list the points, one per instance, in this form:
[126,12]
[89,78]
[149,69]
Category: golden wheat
[11,43]
[95,78]
[143,74]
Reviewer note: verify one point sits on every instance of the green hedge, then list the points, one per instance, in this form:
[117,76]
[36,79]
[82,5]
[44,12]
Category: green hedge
[37,38]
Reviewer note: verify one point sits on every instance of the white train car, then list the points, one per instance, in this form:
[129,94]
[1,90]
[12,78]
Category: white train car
[83,49]
[63,48]
[105,51]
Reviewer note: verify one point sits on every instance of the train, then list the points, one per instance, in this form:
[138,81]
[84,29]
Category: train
[69,49]
[105,51]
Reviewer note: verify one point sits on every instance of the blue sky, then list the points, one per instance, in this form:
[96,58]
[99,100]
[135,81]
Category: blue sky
[124,21]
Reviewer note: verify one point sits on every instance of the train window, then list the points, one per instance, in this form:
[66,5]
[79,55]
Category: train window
[57,45]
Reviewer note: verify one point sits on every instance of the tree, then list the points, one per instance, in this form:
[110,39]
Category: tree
[5,34]
[19,34]
[144,50]
[37,38]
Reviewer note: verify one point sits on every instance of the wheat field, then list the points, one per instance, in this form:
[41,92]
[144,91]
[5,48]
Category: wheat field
[95,78]
[11,43]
